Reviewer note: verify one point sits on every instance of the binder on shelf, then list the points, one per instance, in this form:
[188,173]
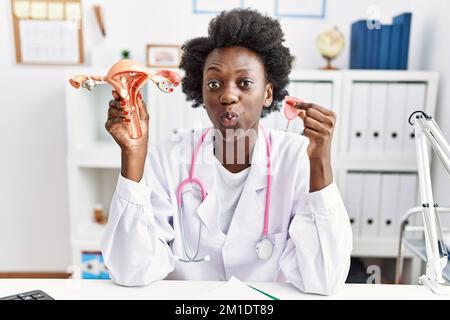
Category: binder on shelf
[323,94]
[358,44]
[415,100]
[395,118]
[305,91]
[405,21]
[385,39]
[394,46]
[359,114]
[390,188]
[353,201]
[369,49]
[372,48]
[370,205]
[385,47]
[376,114]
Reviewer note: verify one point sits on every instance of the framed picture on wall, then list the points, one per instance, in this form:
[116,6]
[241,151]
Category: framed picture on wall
[163,56]
[303,9]
[215,6]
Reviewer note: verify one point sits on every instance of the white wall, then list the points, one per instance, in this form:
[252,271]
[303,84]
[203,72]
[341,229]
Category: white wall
[33,217]
[436,50]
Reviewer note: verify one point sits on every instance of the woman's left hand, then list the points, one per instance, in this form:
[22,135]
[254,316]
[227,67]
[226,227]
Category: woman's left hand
[319,124]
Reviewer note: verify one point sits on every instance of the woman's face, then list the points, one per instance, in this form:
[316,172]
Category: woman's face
[235,88]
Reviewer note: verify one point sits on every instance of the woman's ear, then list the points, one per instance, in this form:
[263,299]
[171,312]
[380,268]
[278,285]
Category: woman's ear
[268,96]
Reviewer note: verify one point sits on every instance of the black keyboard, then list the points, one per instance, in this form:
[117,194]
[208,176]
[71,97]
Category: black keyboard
[30,295]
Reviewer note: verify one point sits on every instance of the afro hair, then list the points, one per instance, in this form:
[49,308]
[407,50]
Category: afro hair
[239,27]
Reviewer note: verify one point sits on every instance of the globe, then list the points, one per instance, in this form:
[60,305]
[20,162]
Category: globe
[330,43]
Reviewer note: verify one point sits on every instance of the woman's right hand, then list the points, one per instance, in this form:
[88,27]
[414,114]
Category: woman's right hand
[134,151]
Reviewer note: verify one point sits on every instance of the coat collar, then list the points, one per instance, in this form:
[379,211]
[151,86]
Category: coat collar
[206,162]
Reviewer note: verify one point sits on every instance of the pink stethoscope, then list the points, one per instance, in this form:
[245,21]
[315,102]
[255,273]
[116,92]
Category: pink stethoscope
[264,248]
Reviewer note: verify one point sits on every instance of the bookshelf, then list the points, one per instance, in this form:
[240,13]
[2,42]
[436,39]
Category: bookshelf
[93,159]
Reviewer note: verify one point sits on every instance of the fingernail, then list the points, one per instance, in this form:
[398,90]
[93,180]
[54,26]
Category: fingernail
[123,102]
[125,112]
[126,120]
[302,114]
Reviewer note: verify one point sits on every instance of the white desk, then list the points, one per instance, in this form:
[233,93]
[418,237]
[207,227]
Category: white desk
[188,290]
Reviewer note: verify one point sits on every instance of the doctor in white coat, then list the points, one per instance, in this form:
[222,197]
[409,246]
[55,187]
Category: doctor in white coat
[237,74]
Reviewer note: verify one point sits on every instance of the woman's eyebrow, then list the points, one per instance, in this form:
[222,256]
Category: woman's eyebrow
[213,68]
[244,69]
[218,69]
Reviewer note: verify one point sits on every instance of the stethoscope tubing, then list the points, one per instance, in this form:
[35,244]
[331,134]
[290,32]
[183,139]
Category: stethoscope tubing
[192,180]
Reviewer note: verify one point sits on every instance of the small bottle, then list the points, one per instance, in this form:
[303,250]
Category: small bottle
[99,214]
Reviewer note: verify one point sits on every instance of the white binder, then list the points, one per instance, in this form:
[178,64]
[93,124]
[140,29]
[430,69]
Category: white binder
[408,194]
[395,118]
[377,112]
[359,113]
[323,94]
[305,90]
[353,201]
[415,100]
[390,188]
[370,205]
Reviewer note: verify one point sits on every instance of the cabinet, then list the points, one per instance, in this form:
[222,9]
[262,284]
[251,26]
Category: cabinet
[373,150]
[377,159]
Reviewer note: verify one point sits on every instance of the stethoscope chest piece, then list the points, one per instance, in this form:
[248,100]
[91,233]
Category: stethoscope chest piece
[264,249]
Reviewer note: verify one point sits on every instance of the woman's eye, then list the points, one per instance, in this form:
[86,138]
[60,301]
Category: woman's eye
[246,83]
[213,84]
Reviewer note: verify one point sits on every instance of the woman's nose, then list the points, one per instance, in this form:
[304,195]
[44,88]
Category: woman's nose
[229,97]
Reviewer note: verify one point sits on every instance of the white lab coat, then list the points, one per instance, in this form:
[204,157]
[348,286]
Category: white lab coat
[311,231]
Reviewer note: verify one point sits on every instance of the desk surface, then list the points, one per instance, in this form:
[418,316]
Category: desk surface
[188,290]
